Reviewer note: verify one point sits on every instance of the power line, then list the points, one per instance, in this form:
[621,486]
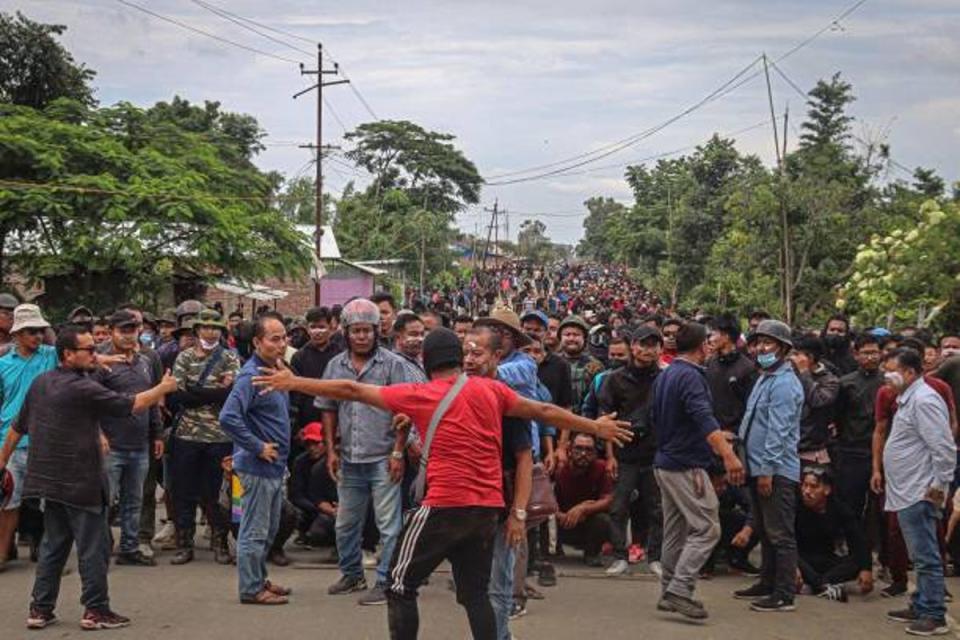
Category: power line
[237,19]
[226,15]
[623,143]
[207,33]
[725,89]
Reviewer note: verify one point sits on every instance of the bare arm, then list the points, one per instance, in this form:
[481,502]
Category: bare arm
[604,427]
[284,380]
[879,439]
[146,399]
[9,444]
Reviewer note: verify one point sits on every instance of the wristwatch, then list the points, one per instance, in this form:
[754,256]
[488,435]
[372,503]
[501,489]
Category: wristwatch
[520,514]
[396,455]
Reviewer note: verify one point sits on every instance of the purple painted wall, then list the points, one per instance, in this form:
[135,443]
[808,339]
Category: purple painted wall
[337,291]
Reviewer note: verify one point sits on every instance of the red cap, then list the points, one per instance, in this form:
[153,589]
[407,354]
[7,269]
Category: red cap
[312,432]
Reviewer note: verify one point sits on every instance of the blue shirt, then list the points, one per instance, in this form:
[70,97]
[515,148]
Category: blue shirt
[519,372]
[16,375]
[770,428]
[920,453]
[252,419]
[682,415]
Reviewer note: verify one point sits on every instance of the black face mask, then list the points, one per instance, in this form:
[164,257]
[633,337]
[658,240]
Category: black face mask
[836,342]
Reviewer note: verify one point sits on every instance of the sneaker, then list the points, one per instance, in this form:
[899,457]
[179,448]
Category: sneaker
[745,568]
[656,569]
[146,549]
[548,575]
[635,554]
[753,592]
[773,603]
[618,568]
[836,592]
[377,595]
[894,590]
[166,535]
[135,558]
[902,615]
[38,618]
[347,584]
[369,560]
[593,561]
[518,610]
[928,627]
[684,606]
[102,619]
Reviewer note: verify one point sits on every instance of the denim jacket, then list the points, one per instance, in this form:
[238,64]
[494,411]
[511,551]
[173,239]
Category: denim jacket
[770,428]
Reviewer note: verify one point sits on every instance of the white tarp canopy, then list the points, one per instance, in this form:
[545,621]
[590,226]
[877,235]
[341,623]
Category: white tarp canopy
[249,290]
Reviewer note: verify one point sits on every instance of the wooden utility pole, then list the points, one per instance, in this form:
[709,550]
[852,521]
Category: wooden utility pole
[318,182]
[493,222]
[786,261]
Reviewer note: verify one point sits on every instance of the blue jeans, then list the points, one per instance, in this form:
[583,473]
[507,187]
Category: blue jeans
[127,471]
[261,503]
[501,582]
[918,523]
[360,482]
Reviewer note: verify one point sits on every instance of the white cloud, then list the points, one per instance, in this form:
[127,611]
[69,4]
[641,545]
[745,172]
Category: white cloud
[527,83]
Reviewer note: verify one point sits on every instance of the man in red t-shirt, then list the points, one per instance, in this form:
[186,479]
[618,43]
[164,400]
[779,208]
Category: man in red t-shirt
[584,494]
[464,499]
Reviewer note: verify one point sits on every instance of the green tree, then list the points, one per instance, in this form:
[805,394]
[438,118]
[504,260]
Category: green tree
[116,217]
[420,182]
[35,69]
[911,275]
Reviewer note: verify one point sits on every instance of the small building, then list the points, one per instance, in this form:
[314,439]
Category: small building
[340,281]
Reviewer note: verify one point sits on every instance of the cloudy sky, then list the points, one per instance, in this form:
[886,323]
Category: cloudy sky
[528,83]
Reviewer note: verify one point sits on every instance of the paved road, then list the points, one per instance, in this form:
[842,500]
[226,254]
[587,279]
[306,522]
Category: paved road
[199,601]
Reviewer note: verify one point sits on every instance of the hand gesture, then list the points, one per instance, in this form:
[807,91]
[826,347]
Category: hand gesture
[279,379]
[876,482]
[765,486]
[401,422]
[270,452]
[395,469]
[168,383]
[612,468]
[742,538]
[734,469]
[616,431]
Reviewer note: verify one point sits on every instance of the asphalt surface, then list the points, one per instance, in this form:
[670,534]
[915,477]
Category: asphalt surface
[199,601]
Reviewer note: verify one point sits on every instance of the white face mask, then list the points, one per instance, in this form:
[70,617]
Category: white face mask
[894,379]
[209,345]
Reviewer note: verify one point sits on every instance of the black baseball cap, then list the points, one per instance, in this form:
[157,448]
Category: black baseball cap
[644,332]
[123,318]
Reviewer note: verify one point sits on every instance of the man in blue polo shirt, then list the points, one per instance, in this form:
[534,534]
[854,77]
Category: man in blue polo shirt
[18,369]
[688,435]
[259,426]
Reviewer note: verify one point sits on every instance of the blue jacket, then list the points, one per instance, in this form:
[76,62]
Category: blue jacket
[519,372]
[771,424]
[682,415]
[252,419]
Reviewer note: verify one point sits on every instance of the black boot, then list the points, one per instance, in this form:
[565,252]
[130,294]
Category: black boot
[221,549]
[184,552]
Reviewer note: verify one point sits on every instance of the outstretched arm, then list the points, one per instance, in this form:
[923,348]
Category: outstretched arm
[282,379]
[604,427]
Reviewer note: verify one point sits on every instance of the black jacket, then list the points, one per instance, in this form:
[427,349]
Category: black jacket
[628,391]
[855,411]
[731,378]
[820,390]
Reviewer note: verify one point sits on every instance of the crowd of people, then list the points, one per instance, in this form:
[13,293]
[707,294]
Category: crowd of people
[529,415]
